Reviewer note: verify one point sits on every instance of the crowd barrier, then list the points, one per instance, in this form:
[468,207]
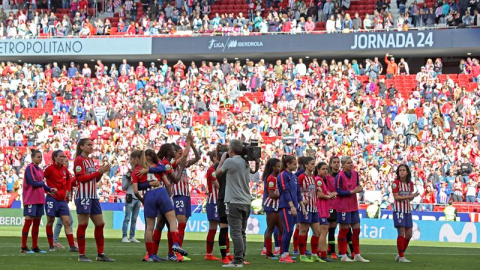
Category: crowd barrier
[423,230]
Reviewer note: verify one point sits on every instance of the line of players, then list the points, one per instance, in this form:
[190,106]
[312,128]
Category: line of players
[309,198]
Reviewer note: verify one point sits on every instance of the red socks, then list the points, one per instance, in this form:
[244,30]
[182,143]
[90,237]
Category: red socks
[302,244]
[400,247]
[149,247]
[356,240]
[25,230]
[99,240]
[314,244]
[210,240]
[295,238]
[342,241]
[50,235]
[157,235]
[323,254]
[181,232]
[70,240]
[36,225]
[405,243]
[268,246]
[175,238]
[81,238]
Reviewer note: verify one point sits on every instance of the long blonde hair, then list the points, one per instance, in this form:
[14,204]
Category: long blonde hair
[140,154]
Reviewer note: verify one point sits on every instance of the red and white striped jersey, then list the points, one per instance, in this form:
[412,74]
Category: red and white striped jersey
[182,188]
[86,176]
[212,190]
[270,184]
[403,189]
[309,191]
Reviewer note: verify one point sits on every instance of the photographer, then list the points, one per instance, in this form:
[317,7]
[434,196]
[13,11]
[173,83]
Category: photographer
[237,196]
[132,206]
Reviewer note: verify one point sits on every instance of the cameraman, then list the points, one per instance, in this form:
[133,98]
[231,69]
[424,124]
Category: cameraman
[132,206]
[237,197]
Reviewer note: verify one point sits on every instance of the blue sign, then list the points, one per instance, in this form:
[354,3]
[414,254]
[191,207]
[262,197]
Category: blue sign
[437,231]
[431,216]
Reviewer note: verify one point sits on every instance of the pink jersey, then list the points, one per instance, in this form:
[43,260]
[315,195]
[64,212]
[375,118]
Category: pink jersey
[31,194]
[322,204]
[309,192]
[330,183]
[346,202]
[403,189]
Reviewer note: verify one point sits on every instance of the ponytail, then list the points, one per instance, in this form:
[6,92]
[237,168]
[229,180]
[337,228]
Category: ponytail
[80,143]
[286,159]
[140,154]
[269,168]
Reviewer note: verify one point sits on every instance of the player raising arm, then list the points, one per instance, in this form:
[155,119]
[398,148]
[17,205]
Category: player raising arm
[57,176]
[33,201]
[86,199]
[402,189]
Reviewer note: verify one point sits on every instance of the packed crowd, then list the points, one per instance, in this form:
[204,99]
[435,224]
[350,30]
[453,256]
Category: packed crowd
[159,17]
[315,109]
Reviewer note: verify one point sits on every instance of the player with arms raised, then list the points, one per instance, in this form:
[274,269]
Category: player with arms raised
[402,189]
[86,199]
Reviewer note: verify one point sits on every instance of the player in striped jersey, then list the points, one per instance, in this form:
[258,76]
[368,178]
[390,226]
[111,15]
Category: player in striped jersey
[86,199]
[211,207]
[402,189]
[309,216]
[156,201]
[270,204]
[181,189]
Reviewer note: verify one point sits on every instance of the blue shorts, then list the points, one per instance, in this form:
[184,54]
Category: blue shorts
[212,212]
[269,210]
[33,210]
[55,208]
[183,205]
[402,220]
[348,217]
[310,218]
[323,221]
[157,202]
[88,206]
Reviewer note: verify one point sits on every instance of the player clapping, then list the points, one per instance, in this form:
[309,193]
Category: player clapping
[86,199]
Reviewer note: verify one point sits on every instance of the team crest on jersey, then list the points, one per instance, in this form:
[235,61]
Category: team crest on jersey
[394,185]
[214,175]
[168,167]
[271,184]
[78,168]
[319,183]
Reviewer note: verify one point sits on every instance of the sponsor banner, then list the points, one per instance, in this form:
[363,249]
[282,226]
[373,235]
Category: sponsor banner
[196,223]
[6,200]
[76,46]
[432,216]
[437,231]
[14,217]
[365,43]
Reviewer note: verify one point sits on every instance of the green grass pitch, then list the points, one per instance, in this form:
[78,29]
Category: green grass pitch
[424,255]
